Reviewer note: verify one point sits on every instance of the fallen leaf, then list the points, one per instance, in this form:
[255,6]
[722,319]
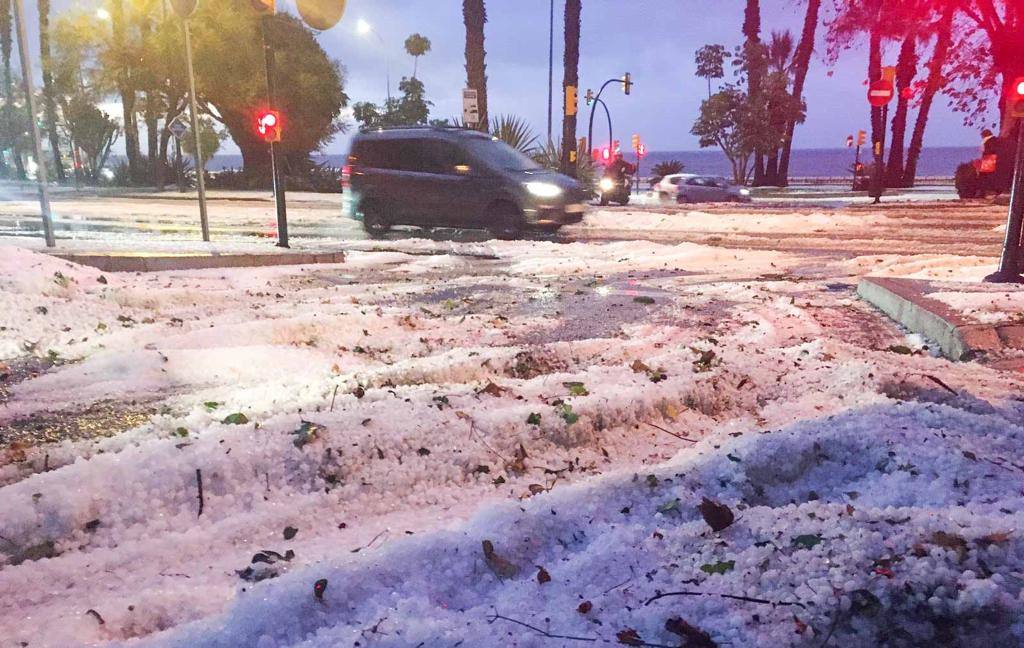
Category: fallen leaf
[585,607]
[718,516]
[639,367]
[289,532]
[576,388]
[643,299]
[501,567]
[720,567]
[808,541]
[543,576]
[629,637]
[533,418]
[492,389]
[319,588]
[235,419]
[695,637]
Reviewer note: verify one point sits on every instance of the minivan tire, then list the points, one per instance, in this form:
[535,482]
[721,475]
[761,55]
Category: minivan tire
[508,222]
[375,221]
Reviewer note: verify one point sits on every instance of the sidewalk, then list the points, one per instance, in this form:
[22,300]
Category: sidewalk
[967,320]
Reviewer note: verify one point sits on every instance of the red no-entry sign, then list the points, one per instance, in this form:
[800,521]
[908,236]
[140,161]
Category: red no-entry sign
[880,93]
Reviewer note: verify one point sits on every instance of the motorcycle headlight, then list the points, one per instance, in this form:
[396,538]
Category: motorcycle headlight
[543,189]
[606,184]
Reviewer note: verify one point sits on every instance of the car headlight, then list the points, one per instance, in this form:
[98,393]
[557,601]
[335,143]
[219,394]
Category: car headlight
[744,192]
[543,189]
[606,184]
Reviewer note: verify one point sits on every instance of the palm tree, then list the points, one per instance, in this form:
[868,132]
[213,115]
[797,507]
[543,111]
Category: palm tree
[474,15]
[49,104]
[906,68]
[416,46]
[943,44]
[779,53]
[801,64]
[753,49]
[571,77]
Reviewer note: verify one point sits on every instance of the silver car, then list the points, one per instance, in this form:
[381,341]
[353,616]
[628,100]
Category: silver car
[705,189]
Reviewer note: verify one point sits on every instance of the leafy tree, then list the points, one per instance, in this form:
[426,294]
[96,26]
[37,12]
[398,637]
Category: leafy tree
[474,15]
[93,132]
[943,32]
[10,132]
[49,103]
[210,137]
[725,122]
[416,46]
[800,66]
[410,109]
[571,77]
[710,61]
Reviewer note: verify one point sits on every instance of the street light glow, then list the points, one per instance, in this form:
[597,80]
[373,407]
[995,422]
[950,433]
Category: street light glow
[103,14]
[363,27]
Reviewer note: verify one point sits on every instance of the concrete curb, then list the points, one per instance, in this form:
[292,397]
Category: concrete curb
[161,263]
[906,301]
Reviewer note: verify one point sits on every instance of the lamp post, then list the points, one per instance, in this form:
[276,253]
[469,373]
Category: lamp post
[364,28]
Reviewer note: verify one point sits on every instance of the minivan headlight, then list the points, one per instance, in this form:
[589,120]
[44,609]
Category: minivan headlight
[744,192]
[543,189]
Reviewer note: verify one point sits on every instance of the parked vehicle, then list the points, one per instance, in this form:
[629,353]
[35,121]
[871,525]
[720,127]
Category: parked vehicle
[611,189]
[454,177]
[703,189]
[668,187]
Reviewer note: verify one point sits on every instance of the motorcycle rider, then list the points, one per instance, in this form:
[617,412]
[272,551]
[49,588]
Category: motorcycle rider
[619,168]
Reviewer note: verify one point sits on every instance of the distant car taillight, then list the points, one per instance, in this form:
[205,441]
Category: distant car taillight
[346,175]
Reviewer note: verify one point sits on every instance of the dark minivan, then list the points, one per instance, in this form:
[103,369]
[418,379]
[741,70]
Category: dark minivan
[454,177]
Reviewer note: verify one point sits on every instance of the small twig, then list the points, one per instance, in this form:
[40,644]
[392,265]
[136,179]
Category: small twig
[474,435]
[199,484]
[96,615]
[334,397]
[368,544]
[678,436]
[940,384]
[494,617]
[734,597]
[615,587]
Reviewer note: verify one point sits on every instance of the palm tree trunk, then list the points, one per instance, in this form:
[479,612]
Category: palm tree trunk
[755,71]
[935,83]
[906,68]
[6,45]
[571,77]
[474,15]
[801,65]
[126,88]
[49,105]
[875,74]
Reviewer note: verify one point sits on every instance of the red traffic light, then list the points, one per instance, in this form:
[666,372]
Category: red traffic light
[1016,99]
[642,150]
[268,125]
[606,154]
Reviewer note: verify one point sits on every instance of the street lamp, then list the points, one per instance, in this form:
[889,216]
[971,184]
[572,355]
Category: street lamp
[103,14]
[363,28]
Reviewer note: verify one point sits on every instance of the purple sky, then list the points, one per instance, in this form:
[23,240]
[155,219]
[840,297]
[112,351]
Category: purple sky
[655,40]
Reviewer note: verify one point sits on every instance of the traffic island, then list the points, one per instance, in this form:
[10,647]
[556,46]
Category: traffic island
[966,320]
[160,262]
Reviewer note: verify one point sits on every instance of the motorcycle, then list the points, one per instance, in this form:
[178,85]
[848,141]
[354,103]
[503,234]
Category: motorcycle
[615,190]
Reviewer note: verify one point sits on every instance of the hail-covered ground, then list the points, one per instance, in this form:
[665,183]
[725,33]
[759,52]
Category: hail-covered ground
[521,444]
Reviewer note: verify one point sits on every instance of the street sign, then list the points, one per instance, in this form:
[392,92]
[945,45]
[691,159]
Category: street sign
[470,107]
[880,93]
[321,14]
[184,8]
[178,128]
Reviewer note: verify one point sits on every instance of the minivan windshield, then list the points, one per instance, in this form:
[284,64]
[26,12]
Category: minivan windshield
[499,155]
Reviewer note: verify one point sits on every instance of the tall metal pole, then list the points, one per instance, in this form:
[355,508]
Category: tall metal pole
[551,67]
[30,92]
[879,175]
[196,135]
[1009,263]
[275,170]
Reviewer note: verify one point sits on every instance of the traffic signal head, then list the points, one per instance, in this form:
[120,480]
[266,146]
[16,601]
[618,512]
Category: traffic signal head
[636,142]
[571,101]
[606,154]
[268,125]
[862,138]
[264,6]
[590,97]
[1016,107]
[849,141]
[627,83]
[642,150]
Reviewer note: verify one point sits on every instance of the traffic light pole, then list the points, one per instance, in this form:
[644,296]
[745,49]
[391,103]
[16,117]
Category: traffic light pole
[204,221]
[1010,262]
[279,189]
[607,114]
[878,179]
[590,129]
[26,73]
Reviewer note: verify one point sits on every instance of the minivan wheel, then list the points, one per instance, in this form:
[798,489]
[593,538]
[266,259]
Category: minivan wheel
[508,222]
[374,220]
